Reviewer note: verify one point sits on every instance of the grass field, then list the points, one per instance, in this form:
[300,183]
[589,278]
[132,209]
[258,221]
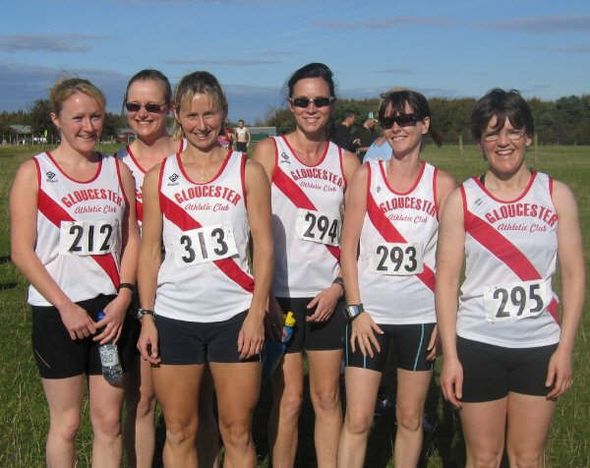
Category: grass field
[23,412]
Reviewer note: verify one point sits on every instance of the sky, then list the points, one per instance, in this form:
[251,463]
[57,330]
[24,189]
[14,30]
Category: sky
[453,48]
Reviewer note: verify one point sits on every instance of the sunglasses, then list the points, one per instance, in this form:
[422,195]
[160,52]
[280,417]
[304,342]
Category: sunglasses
[403,120]
[150,107]
[303,102]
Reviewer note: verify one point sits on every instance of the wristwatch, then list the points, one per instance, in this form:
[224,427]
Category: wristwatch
[141,312]
[354,310]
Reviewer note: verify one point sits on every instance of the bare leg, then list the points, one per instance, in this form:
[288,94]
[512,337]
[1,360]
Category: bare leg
[484,429]
[106,401]
[64,397]
[412,388]
[140,432]
[362,386]
[177,390]
[283,423]
[529,418]
[207,434]
[238,387]
[324,378]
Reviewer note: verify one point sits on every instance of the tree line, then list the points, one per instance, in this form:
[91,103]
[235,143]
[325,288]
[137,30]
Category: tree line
[565,121]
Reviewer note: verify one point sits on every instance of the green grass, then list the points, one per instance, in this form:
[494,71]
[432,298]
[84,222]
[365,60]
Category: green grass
[23,411]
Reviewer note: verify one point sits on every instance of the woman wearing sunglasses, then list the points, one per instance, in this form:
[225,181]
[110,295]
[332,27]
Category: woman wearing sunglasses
[74,237]
[392,215]
[204,204]
[147,101]
[309,175]
[507,351]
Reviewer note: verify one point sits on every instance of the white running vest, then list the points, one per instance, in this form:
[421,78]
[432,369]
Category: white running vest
[306,207]
[205,275]
[79,229]
[125,154]
[397,249]
[511,249]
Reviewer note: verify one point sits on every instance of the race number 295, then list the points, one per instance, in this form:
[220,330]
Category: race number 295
[205,244]
[516,300]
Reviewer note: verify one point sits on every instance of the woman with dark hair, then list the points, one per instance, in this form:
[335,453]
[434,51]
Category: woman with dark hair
[392,217]
[203,204]
[507,352]
[74,237]
[309,176]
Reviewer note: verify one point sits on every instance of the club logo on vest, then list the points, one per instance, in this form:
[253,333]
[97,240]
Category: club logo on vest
[50,176]
[285,158]
[173,179]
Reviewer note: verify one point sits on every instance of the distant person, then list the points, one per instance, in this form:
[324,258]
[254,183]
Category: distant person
[74,238]
[379,150]
[226,136]
[242,134]
[366,135]
[342,134]
[389,243]
[309,177]
[507,349]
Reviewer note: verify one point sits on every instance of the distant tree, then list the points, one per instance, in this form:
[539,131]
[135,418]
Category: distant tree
[40,119]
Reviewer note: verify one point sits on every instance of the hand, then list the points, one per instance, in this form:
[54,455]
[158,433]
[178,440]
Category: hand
[451,381]
[77,321]
[363,329]
[251,336]
[559,373]
[112,323]
[147,344]
[432,344]
[324,303]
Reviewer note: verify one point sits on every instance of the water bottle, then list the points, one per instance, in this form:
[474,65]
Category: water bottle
[109,359]
[274,350]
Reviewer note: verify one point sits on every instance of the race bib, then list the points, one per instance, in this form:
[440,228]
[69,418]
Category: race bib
[318,227]
[396,258]
[516,301]
[205,244]
[96,237]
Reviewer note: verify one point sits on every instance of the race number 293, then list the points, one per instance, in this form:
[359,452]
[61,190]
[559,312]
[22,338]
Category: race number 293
[515,301]
[397,258]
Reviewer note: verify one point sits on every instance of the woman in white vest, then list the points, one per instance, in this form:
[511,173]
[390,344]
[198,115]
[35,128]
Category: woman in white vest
[200,303]
[74,237]
[507,349]
[391,220]
[309,176]
[147,103]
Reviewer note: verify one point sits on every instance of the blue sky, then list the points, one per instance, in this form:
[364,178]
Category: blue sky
[454,48]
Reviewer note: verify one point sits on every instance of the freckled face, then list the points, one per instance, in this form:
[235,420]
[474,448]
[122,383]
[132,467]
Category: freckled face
[80,122]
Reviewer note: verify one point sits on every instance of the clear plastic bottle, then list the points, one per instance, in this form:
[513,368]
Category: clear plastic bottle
[274,350]
[109,360]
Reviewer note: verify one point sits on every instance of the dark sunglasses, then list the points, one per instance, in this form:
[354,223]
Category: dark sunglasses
[150,107]
[303,102]
[403,120]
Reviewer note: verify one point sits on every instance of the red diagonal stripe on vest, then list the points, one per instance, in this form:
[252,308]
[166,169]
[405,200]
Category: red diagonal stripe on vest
[56,214]
[389,232]
[185,222]
[505,251]
[294,193]
[139,210]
